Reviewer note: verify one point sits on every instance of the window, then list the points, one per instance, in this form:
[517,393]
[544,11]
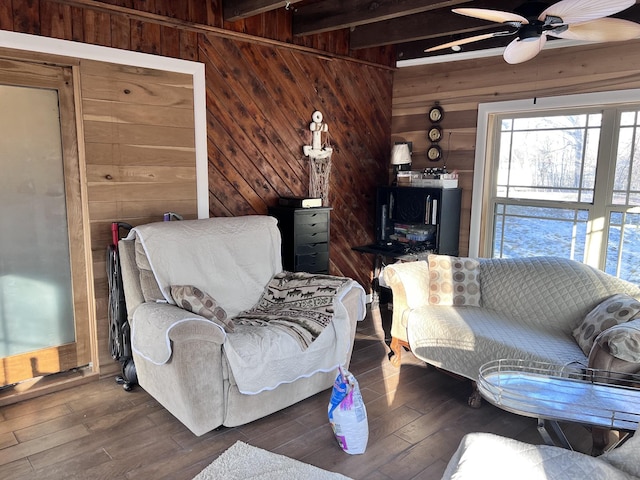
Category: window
[546,168]
[563,181]
[623,240]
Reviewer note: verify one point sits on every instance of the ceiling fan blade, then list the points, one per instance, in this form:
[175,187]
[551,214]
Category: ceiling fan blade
[578,11]
[520,51]
[601,30]
[464,41]
[491,15]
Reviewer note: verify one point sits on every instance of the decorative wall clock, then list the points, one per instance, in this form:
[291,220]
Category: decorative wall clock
[436,113]
[435,134]
[434,153]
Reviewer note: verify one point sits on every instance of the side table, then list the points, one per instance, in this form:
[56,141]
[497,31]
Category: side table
[568,393]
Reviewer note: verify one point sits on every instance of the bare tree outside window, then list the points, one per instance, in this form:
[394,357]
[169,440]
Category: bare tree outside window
[544,198]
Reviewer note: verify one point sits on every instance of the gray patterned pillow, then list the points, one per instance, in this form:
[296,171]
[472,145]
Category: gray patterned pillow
[195,300]
[622,341]
[454,281]
[616,309]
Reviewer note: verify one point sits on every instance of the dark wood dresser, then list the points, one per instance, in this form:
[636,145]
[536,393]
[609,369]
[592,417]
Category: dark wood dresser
[305,238]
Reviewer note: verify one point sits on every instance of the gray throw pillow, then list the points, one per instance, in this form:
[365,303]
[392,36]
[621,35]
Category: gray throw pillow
[622,341]
[619,308]
[195,300]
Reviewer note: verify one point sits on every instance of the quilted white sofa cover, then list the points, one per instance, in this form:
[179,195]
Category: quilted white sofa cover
[529,307]
[181,358]
[484,455]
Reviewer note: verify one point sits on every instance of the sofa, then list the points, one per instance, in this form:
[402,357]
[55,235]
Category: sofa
[524,308]
[220,334]
[459,313]
[484,455]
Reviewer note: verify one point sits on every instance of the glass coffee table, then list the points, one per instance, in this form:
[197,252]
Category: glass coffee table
[565,393]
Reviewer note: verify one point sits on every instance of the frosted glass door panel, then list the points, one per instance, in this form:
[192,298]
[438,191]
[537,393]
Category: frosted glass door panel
[36,306]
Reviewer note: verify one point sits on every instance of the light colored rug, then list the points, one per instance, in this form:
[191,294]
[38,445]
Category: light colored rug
[245,462]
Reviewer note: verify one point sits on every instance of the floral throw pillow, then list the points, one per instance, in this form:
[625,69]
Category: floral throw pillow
[195,300]
[454,281]
[618,308]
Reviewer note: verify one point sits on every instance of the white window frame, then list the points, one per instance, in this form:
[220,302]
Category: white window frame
[487,113]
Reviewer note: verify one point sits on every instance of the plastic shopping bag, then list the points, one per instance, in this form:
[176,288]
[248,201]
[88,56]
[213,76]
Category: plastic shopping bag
[348,415]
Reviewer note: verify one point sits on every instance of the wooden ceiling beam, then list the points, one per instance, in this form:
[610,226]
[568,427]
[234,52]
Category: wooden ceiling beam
[234,10]
[415,27]
[431,24]
[337,14]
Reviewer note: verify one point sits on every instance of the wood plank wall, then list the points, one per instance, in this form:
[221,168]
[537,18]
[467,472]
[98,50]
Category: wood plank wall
[461,86]
[140,159]
[259,123]
[260,97]
[139,144]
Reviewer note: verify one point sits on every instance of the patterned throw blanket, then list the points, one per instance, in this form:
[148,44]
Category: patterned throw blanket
[299,303]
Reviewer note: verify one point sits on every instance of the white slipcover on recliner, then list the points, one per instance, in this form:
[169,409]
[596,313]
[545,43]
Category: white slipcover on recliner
[183,359]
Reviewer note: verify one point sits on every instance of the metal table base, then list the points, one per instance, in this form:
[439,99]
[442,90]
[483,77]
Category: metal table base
[566,393]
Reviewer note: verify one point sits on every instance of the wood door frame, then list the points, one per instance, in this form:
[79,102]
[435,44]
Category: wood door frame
[80,353]
[45,50]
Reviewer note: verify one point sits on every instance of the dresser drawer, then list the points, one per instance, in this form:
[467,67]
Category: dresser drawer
[303,218]
[312,248]
[304,228]
[318,237]
[318,262]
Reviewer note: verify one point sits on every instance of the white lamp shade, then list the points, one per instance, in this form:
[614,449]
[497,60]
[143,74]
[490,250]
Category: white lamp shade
[400,154]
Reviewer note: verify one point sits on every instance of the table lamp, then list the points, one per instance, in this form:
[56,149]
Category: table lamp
[400,158]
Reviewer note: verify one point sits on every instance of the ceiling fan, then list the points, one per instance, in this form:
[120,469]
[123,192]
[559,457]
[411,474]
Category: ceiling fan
[532,22]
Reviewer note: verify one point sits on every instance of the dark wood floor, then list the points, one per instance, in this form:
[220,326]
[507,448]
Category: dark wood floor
[417,415]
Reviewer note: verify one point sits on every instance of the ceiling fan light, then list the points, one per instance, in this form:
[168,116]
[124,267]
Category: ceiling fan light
[519,51]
